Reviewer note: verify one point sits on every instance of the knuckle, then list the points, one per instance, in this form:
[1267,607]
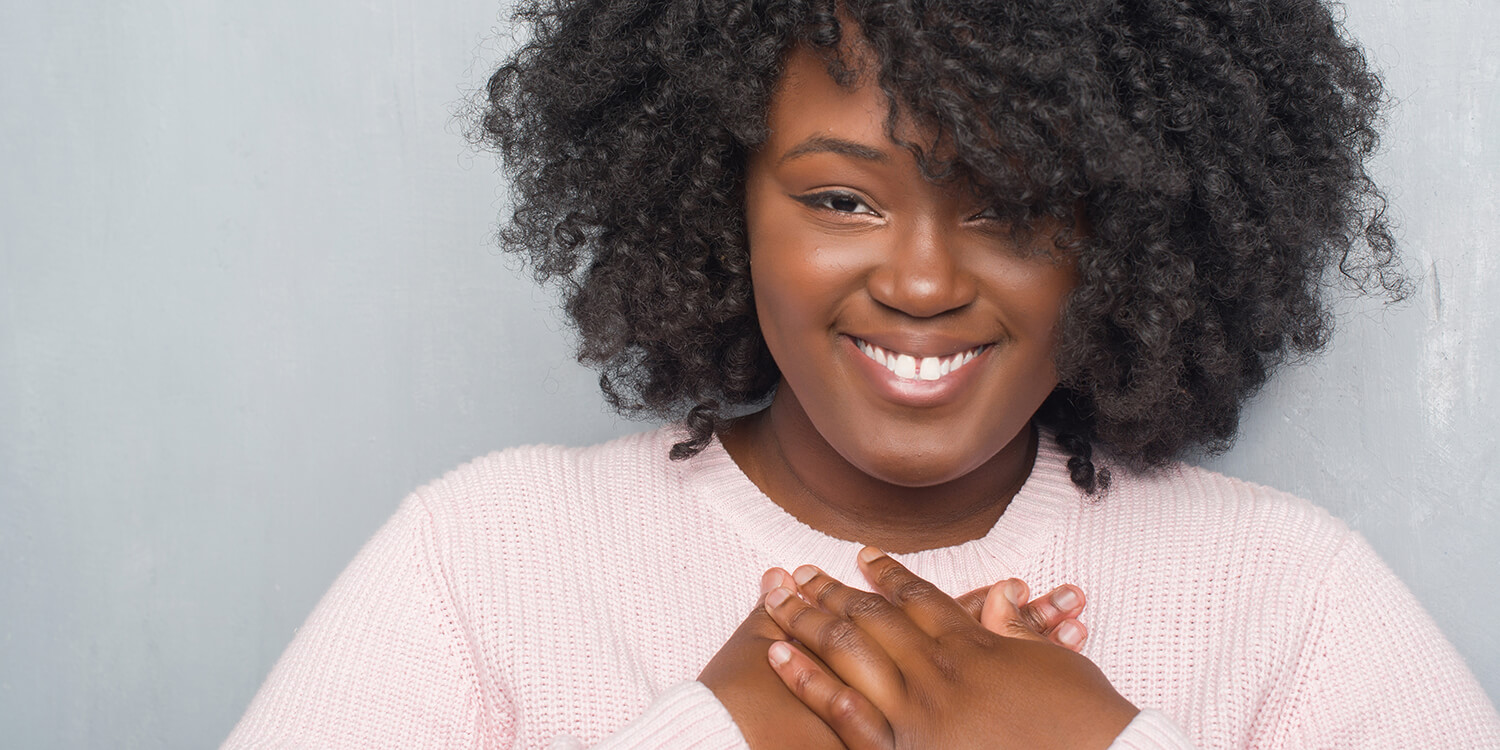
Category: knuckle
[844,706]
[1020,630]
[969,640]
[912,590]
[945,667]
[973,602]
[893,576]
[822,588]
[797,620]
[838,635]
[866,607]
[1033,618]
[802,681]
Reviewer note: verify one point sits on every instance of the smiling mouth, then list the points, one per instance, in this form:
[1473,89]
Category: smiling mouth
[911,367]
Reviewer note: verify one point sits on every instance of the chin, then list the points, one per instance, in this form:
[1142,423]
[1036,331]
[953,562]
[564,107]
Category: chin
[919,463]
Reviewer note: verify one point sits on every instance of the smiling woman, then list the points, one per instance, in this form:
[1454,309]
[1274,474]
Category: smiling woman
[856,257]
[974,275]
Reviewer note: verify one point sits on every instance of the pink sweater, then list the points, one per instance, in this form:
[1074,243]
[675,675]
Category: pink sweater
[567,597]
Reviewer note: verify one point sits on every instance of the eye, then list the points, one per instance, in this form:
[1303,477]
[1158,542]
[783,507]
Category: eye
[988,214]
[837,201]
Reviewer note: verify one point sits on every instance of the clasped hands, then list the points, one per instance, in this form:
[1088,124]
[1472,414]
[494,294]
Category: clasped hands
[819,664]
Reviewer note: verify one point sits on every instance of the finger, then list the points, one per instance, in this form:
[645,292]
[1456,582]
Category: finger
[1054,616]
[927,605]
[759,622]
[1062,630]
[893,629]
[857,722]
[973,601]
[1045,613]
[1070,634]
[1002,611]
[773,578]
[843,646]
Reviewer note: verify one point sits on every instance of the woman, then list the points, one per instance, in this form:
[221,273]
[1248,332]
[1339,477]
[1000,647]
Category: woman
[974,275]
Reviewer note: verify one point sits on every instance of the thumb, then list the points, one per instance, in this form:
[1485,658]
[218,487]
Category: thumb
[1001,612]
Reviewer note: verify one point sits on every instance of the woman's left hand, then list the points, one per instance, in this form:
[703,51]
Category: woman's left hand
[913,669]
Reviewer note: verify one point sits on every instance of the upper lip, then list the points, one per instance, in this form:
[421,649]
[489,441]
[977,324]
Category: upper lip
[925,344]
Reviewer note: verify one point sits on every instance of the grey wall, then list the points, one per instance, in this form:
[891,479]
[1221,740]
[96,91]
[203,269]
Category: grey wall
[248,299]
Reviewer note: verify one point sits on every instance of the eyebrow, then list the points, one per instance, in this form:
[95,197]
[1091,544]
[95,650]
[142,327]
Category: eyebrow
[816,144]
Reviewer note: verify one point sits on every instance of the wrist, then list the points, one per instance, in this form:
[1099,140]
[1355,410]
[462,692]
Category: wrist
[1112,722]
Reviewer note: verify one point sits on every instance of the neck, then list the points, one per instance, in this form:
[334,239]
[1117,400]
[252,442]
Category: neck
[788,459]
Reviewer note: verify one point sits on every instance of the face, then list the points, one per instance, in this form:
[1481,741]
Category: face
[909,325]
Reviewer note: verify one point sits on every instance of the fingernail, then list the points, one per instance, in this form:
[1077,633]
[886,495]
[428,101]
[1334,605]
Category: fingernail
[780,653]
[1013,592]
[870,554]
[1065,599]
[777,596]
[769,580]
[804,574]
[1070,633]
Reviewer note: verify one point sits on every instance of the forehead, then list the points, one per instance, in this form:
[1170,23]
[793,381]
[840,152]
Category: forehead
[809,109]
[807,102]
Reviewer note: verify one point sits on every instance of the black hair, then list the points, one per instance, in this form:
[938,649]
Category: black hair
[1217,149]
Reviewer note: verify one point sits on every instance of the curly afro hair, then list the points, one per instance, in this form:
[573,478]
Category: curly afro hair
[1217,150]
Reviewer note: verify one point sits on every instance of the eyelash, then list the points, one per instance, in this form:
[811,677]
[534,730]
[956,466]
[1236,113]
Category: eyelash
[823,199]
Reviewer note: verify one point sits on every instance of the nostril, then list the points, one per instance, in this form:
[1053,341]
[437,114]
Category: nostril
[922,292]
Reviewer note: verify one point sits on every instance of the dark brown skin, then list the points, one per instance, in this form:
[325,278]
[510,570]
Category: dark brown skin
[861,245]
[767,713]
[849,244]
[910,668]
[770,716]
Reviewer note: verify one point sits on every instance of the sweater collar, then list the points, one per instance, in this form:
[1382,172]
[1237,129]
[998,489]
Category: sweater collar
[1034,516]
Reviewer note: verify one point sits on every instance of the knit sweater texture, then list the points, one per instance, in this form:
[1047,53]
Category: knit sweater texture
[548,597]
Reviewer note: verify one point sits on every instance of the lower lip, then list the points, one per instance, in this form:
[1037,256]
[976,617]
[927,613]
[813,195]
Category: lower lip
[915,392]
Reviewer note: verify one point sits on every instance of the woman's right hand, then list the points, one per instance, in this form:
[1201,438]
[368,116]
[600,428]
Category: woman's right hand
[914,669]
[770,716]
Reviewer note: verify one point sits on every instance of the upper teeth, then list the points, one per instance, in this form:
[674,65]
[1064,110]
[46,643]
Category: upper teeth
[917,368]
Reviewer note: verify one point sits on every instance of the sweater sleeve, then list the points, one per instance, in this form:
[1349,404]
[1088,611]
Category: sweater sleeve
[1374,671]
[377,664]
[687,715]
[384,661]
[1152,730]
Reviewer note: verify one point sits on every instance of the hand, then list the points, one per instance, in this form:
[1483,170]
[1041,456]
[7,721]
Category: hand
[909,667]
[767,713]
[770,716]
[1054,616]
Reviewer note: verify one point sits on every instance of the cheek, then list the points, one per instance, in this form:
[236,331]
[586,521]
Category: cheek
[773,280]
[792,306]
[1037,298]
[798,281]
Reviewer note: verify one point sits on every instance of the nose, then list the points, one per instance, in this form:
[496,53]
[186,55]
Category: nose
[921,275]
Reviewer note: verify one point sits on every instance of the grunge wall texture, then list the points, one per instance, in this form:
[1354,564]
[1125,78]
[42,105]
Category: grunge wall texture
[249,299]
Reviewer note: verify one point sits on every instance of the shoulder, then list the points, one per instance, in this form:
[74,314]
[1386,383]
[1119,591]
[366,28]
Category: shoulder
[498,530]
[546,479]
[1197,519]
[1219,580]
[524,511]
